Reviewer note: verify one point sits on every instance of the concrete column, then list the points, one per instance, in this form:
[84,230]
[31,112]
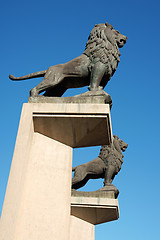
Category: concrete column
[81,230]
[38,196]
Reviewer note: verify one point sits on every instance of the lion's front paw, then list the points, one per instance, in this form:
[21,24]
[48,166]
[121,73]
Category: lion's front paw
[99,88]
[33,93]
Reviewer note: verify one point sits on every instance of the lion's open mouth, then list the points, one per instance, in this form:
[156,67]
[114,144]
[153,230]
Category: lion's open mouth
[124,148]
[122,41]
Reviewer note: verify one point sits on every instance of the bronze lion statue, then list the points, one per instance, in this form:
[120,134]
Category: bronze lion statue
[93,68]
[106,165]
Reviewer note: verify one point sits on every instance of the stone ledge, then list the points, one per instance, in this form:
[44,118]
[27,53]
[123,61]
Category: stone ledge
[75,125]
[95,210]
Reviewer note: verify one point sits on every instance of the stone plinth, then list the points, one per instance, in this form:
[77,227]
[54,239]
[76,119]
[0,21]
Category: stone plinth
[38,196]
[109,191]
[93,97]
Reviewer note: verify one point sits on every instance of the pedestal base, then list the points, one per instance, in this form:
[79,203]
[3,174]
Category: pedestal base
[38,197]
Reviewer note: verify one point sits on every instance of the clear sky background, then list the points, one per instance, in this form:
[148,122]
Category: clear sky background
[38,34]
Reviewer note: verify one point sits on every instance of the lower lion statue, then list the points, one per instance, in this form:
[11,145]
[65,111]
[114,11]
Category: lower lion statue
[106,165]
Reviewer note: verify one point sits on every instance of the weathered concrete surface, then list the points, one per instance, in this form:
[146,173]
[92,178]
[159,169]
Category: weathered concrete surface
[77,125]
[81,229]
[38,196]
[95,210]
[37,201]
[95,97]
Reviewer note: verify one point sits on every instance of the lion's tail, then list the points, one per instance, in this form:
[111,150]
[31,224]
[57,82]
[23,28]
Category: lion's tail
[31,75]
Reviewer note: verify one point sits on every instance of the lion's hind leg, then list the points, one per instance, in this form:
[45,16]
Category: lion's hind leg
[52,78]
[41,87]
[79,178]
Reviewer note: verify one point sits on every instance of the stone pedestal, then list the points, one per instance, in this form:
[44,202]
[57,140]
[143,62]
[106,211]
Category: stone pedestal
[37,204]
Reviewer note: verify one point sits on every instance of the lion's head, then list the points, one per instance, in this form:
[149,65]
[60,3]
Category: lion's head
[115,149]
[114,36]
[123,146]
[103,44]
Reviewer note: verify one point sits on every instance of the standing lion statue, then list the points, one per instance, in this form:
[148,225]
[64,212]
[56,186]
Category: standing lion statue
[106,165]
[93,68]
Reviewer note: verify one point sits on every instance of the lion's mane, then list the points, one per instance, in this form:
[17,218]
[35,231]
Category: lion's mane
[112,154]
[103,48]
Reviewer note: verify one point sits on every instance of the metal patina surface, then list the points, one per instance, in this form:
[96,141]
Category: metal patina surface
[106,166]
[93,68]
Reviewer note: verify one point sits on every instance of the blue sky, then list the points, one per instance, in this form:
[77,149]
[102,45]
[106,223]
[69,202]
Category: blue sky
[38,34]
